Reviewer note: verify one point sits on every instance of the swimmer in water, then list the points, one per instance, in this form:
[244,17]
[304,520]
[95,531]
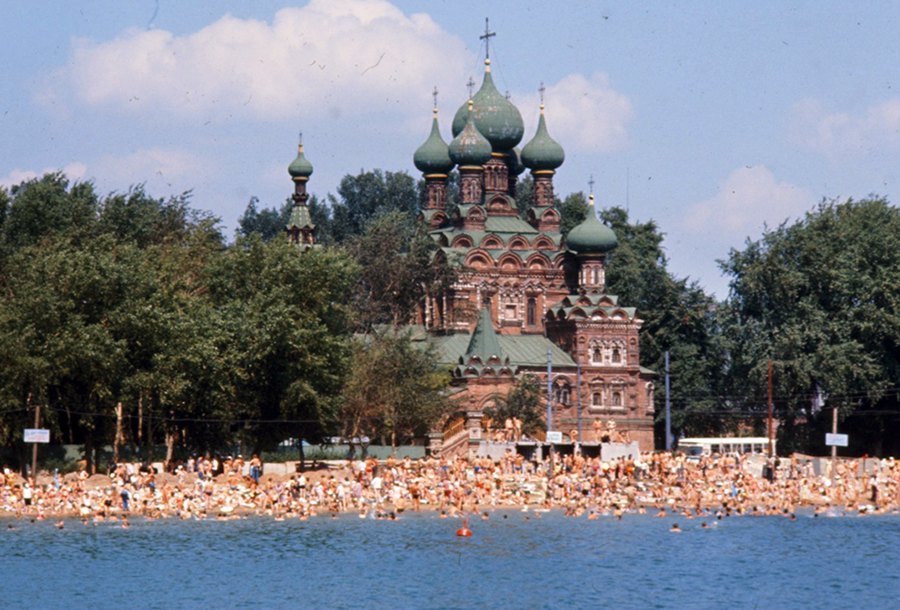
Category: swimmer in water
[675,528]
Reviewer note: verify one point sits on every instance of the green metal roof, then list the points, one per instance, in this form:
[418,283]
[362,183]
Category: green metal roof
[484,343]
[507,224]
[300,167]
[589,310]
[593,299]
[433,157]
[521,350]
[478,236]
[300,218]
[470,147]
[464,208]
[591,236]
[427,215]
[542,152]
[493,115]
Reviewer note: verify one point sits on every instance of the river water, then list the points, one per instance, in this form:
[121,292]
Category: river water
[547,561]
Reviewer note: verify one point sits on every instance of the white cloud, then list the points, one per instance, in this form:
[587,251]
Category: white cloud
[582,113]
[837,133]
[749,197]
[154,166]
[73,171]
[331,57]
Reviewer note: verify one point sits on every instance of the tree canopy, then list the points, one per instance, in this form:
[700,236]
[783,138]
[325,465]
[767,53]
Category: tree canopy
[819,297]
[678,317]
[129,317]
[134,301]
[395,390]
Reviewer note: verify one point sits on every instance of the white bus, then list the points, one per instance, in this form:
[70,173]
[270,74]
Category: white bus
[695,447]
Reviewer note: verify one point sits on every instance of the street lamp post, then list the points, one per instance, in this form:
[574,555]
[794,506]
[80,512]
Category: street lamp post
[549,391]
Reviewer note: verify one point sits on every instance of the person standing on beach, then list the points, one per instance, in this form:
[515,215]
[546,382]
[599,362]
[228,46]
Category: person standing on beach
[27,494]
[255,466]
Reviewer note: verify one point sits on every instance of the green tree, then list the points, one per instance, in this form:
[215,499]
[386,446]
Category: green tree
[678,317]
[573,210]
[88,307]
[523,401]
[287,326]
[136,217]
[49,205]
[819,298]
[395,389]
[524,195]
[62,349]
[269,223]
[367,196]
[397,266]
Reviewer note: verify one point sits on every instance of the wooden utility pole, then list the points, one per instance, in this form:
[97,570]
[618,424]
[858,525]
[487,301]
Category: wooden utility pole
[668,408]
[834,422]
[37,424]
[769,434]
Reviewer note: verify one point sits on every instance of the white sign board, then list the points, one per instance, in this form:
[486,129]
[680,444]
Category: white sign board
[37,435]
[836,440]
[554,436]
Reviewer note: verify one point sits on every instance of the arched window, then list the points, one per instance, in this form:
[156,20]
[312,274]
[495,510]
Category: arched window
[598,355]
[485,300]
[617,399]
[616,356]
[596,400]
[532,311]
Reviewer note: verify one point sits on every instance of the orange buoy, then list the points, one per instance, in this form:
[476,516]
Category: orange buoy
[464,530]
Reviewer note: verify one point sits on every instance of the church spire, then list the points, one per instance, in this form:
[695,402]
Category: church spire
[300,229]
[484,344]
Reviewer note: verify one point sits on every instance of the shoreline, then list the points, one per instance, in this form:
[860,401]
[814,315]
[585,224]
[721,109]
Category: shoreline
[661,484]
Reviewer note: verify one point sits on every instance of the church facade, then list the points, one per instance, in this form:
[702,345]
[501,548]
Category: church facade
[526,297]
[527,300]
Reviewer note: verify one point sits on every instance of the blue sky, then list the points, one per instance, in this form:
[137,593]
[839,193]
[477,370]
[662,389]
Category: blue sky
[710,118]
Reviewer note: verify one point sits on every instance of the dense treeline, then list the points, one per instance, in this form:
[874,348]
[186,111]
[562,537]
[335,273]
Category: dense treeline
[129,320]
[133,322]
[820,298]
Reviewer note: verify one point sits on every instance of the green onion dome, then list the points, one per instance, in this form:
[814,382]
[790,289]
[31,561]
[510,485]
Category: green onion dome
[433,157]
[495,117]
[300,167]
[470,147]
[591,236]
[542,152]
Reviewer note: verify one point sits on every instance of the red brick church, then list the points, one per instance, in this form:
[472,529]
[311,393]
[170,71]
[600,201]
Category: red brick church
[525,291]
[525,294]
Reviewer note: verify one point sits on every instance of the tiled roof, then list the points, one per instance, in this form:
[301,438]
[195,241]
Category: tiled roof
[521,350]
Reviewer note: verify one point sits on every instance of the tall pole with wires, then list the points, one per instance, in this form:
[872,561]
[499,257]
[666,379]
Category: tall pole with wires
[668,408]
[769,428]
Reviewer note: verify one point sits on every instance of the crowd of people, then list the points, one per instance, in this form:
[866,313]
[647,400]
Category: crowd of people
[663,482]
